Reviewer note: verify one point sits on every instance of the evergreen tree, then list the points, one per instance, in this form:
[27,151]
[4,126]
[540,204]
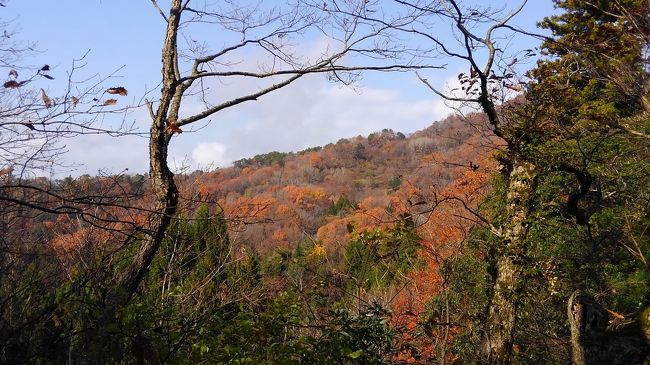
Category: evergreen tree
[575,192]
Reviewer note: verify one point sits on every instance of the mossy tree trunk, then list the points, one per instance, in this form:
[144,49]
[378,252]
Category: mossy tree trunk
[502,310]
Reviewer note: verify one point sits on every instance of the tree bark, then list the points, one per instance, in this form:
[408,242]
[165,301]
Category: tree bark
[596,339]
[502,310]
[162,179]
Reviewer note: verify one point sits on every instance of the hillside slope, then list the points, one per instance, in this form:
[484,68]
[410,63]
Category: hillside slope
[366,181]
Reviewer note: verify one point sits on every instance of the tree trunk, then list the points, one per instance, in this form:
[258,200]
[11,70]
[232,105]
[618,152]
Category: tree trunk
[162,179]
[164,187]
[596,339]
[502,310]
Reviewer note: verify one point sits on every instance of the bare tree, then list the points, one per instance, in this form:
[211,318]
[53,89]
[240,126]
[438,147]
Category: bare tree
[191,72]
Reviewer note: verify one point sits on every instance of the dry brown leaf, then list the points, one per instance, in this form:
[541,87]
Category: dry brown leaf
[615,315]
[46,99]
[117,90]
[45,68]
[11,84]
[172,128]
[110,102]
[13,73]
[75,101]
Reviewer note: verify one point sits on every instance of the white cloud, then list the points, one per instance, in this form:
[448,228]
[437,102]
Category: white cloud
[310,112]
[92,153]
[206,155]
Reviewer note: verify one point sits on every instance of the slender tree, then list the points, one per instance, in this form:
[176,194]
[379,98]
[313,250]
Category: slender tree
[269,32]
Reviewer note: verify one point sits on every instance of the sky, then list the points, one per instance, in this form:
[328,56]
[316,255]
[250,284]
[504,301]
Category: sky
[123,38]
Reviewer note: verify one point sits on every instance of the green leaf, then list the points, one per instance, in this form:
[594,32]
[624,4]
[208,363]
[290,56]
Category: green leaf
[356,354]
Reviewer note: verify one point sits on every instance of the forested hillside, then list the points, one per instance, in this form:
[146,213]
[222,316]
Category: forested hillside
[514,231]
[360,225]
[365,181]
[354,223]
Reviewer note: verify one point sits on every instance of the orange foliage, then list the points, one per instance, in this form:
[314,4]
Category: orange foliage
[443,233]
[432,176]
[334,233]
[306,197]
[316,160]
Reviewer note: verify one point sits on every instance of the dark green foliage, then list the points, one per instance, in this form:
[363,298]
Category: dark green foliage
[347,339]
[275,336]
[209,238]
[342,206]
[277,262]
[579,129]
[395,183]
[461,301]
[310,149]
[359,152]
[201,304]
[29,331]
[376,258]
[266,159]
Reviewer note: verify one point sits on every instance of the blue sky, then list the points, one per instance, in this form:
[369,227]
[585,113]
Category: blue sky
[310,112]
